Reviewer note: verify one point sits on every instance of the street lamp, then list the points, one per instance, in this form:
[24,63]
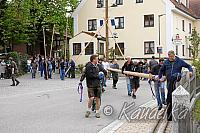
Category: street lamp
[159,28]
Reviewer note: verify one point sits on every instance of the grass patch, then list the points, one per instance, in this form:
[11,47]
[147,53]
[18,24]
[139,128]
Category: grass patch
[196,112]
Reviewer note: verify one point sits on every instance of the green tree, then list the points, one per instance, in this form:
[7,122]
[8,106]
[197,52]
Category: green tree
[3,6]
[195,42]
[24,20]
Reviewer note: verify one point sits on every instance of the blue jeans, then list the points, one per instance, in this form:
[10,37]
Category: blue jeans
[104,81]
[62,74]
[41,71]
[160,92]
[128,85]
[50,73]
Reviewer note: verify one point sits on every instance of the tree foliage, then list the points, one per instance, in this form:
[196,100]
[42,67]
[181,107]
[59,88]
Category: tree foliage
[195,42]
[23,20]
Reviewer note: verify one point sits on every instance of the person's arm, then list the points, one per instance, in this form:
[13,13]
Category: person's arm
[162,71]
[83,75]
[186,65]
[123,67]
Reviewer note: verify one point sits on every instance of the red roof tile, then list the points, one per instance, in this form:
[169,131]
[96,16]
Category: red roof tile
[193,10]
[195,7]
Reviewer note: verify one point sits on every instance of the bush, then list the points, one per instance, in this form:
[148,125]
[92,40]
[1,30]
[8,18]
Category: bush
[80,68]
[196,112]
[196,64]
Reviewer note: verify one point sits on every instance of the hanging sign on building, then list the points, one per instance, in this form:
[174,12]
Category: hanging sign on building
[177,40]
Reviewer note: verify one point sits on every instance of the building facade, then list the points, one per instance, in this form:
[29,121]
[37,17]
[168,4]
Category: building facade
[141,28]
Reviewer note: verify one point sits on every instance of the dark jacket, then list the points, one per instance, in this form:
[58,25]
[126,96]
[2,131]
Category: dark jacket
[156,69]
[126,66]
[91,73]
[171,68]
[72,64]
[62,65]
[152,63]
[134,68]
[114,66]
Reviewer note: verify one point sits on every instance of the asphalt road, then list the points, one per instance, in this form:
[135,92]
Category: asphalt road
[39,106]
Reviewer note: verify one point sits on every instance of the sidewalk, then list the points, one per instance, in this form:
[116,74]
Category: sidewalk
[139,126]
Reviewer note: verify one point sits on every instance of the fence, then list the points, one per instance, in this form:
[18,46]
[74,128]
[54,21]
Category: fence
[185,96]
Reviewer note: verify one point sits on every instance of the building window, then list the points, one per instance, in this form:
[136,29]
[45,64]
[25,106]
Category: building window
[183,50]
[176,49]
[92,25]
[89,50]
[190,28]
[100,3]
[119,2]
[183,25]
[148,20]
[139,1]
[101,48]
[149,47]
[117,51]
[76,48]
[119,23]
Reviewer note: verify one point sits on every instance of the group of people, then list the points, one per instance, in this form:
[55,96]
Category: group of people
[168,70]
[46,67]
[9,69]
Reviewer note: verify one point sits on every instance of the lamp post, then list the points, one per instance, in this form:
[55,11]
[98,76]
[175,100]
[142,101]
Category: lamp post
[159,33]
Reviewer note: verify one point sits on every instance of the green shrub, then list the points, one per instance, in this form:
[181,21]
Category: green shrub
[196,112]
[80,68]
[196,64]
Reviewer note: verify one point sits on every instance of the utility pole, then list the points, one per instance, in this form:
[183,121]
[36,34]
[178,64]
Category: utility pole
[107,41]
[65,48]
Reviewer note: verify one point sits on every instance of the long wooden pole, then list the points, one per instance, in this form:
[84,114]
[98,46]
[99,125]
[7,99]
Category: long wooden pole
[45,53]
[132,73]
[107,40]
[52,41]
[65,49]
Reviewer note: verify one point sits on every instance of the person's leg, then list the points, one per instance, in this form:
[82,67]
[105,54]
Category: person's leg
[32,74]
[41,71]
[60,74]
[157,93]
[73,73]
[90,101]
[162,91]
[13,80]
[104,82]
[62,71]
[170,87]
[17,82]
[50,73]
[128,85]
[97,95]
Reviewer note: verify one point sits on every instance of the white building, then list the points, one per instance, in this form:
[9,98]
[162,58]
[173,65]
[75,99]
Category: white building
[136,27]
